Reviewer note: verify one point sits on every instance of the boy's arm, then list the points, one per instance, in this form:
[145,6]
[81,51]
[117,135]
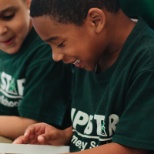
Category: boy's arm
[42,133]
[46,134]
[112,148]
[12,126]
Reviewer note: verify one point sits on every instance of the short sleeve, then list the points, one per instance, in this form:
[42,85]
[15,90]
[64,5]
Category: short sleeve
[135,128]
[46,91]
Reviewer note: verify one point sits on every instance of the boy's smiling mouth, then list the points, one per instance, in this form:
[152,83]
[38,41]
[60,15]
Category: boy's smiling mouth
[8,41]
[77,63]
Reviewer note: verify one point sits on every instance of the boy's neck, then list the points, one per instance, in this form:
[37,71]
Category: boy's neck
[119,27]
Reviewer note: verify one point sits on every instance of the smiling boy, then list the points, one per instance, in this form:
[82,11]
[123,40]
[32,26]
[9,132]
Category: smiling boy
[112,97]
[33,88]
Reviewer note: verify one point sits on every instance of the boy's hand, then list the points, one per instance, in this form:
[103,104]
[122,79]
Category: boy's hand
[43,133]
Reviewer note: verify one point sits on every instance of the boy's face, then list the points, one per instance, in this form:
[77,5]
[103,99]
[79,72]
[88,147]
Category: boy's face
[14,24]
[70,43]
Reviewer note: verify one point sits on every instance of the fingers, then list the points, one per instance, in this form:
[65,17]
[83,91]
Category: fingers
[41,139]
[28,137]
[52,137]
[39,134]
[27,133]
[17,141]
[20,140]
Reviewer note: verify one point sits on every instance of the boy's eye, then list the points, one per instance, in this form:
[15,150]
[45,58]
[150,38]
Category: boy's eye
[8,17]
[60,45]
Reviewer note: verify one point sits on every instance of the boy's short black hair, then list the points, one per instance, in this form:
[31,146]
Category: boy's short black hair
[70,11]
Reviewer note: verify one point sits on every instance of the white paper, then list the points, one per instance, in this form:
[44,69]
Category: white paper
[6,148]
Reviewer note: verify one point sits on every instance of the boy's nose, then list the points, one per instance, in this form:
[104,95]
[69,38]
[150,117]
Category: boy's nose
[3,29]
[57,56]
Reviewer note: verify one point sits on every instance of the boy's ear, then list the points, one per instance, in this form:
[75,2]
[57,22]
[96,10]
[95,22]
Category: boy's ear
[97,18]
[28,2]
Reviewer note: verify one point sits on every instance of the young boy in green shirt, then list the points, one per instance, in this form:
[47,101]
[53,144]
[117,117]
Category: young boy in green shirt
[112,106]
[33,88]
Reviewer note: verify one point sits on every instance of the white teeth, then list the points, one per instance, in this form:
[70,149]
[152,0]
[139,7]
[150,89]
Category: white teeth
[77,62]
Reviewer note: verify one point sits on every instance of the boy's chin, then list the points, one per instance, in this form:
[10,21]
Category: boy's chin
[89,68]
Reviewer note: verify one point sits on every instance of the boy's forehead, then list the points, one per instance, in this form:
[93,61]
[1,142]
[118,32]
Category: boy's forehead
[46,23]
[51,30]
[7,5]
[45,27]
[43,21]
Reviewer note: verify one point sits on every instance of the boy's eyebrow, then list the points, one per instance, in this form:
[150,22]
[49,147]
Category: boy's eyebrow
[54,38]
[11,8]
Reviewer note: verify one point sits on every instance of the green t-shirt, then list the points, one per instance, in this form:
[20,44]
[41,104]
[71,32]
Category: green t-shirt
[117,105]
[32,85]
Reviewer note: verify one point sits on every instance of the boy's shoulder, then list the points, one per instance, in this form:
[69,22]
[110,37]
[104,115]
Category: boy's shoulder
[142,35]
